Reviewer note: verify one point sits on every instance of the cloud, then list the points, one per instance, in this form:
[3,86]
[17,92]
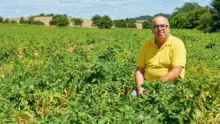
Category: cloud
[165,2]
[97,2]
[184,1]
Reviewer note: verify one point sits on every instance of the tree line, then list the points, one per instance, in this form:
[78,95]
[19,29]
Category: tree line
[22,20]
[193,16]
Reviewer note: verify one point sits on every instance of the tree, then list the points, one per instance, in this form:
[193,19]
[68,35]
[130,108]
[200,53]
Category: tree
[77,21]
[53,22]
[1,19]
[96,19]
[105,22]
[216,14]
[50,14]
[6,20]
[42,14]
[22,21]
[39,23]
[187,7]
[131,25]
[59,20]
[31,20]
[147,24]
[145,17]
[62,21]
[206,22]
[216,5]
[188,16]
[13,22]
[120,23]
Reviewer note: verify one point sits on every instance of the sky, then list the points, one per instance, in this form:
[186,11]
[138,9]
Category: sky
[116,9]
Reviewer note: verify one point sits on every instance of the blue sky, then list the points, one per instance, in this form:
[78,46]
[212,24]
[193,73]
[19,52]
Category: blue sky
[116,9]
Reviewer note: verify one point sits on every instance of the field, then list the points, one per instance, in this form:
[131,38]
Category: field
[84,75]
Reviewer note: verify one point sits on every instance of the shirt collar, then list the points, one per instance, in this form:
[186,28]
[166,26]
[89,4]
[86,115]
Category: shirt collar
[168,42]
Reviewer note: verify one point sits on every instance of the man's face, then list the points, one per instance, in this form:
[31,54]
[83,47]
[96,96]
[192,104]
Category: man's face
[160,28]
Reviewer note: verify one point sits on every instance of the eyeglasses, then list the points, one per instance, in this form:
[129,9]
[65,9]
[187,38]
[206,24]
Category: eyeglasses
[160,26]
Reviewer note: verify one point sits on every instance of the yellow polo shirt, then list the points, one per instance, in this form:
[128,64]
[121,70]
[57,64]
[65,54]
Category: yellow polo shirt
[159,61]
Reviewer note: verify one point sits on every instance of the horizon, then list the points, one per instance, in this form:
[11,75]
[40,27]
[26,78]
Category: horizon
[87,8]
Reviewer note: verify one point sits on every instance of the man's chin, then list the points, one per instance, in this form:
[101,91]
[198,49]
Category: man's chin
[161,36]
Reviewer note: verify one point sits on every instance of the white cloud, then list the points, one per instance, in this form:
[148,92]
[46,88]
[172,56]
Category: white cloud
[190,1]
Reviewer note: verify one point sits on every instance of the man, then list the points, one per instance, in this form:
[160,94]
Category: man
[162,58]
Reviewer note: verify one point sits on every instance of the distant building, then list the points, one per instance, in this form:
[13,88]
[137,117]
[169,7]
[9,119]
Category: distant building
[139,24]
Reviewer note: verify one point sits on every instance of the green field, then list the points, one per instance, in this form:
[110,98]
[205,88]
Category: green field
[84,75]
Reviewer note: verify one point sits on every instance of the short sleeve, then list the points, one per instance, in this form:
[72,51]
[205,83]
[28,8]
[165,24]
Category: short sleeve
[141,57]
[179,54]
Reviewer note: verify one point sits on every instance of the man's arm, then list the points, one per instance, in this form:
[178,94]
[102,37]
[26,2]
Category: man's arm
[139,78]
[173,74]
[178,61]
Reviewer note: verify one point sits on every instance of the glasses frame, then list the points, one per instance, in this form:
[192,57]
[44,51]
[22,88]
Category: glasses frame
[163,26]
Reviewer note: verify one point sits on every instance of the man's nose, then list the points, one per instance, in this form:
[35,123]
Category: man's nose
[160,28]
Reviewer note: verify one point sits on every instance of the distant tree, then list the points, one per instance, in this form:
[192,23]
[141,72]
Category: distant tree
[39,23]
[62,21]
[53,22]
[1,19]
[42,14]
[77,21]
[145,17]
[59,20]
[105,22]
[64,15]
[131,25]
[50,14]
[216,4]
[6,20]
[206,22]
[13,22]
[125,23]
[216,14]
[120,23]
[96,19]
[147,24]
[187,16]
[22,21]
[130,21]
[187,7]
[30,20]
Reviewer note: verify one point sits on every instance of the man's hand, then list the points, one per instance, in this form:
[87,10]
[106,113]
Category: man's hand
[173,74]
[142,90]
[139,78]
